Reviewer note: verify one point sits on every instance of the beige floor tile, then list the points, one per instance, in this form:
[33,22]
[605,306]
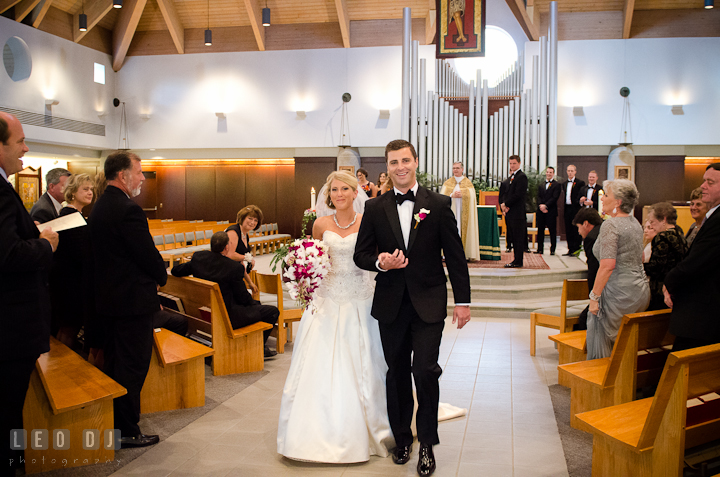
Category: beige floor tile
[500,428]
[468,385]
[486,455]
[201,467]
[490,396]
[491,406]
[477,470]
[493,379]
[495,416]
[484,440]
[494,371]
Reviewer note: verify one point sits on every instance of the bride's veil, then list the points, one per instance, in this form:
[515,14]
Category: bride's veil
[322,209]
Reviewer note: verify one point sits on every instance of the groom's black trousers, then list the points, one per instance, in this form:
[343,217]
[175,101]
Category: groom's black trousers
[412,346]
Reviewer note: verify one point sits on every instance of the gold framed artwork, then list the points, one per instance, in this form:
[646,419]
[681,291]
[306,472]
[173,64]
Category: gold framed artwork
[623,172]
[350,169]
[460,28]
[27,185]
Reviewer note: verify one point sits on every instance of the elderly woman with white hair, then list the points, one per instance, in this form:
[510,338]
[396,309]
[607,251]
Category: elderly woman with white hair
[621,286]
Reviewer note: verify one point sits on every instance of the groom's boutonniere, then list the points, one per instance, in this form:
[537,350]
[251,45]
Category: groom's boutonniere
[420,216]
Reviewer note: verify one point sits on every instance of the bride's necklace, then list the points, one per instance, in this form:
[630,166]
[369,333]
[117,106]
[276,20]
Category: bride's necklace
[348,225]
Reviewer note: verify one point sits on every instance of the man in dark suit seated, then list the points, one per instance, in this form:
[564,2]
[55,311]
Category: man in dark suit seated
[215,266]
[692,288]
[25,258]
[588,223]
[48,205]
[546,214]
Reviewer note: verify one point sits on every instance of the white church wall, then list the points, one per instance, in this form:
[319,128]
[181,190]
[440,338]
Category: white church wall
[659,72]
[61,70]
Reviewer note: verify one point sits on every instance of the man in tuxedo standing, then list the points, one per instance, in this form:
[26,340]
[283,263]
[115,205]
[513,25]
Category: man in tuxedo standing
[25,257]
[513,206]
[403,236]
[546,214]
[692,288]
[128,273]
[591,192]
[49,204]
[571,192]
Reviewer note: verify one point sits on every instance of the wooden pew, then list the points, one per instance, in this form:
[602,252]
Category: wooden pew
[67,392]
[572,347]
[176,378]
[599,383]
[647,438]
[272,284]
[562,317]
[236,351]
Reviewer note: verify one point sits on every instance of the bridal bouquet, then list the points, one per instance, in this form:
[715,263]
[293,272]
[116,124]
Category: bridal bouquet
[306,264]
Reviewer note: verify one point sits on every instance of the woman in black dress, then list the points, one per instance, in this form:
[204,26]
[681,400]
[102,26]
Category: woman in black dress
[71,264]
[668,249]
[249,218]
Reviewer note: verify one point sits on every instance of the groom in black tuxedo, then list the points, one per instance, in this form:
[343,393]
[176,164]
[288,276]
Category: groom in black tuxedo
[403,236]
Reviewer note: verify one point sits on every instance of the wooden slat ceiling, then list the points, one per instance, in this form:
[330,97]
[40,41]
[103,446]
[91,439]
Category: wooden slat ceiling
[317,23]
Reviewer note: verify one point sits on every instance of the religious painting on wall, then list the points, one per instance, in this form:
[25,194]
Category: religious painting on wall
[350,169]
[27,185]
[623,172]
[460,28]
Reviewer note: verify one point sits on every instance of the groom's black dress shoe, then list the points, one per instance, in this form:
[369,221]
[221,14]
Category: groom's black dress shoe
[141,440]
[426,462]
[513,265]
[401,454]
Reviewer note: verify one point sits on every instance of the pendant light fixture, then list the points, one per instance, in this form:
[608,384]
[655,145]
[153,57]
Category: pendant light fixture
[117,3]
[208,32]
[266,15]
[709,4]
[82,20]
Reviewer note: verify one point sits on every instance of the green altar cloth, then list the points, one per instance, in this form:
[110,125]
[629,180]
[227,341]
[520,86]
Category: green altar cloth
[488,232]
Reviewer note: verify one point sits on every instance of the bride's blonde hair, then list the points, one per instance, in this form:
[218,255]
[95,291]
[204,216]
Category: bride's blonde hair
[342,176]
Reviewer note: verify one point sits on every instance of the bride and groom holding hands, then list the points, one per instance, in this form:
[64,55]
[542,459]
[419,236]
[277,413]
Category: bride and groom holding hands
[348,393]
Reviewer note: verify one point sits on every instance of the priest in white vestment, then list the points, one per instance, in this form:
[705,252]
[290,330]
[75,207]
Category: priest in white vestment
[464,205]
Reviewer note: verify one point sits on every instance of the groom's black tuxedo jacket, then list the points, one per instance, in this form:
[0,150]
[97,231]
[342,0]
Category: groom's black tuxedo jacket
[424,275]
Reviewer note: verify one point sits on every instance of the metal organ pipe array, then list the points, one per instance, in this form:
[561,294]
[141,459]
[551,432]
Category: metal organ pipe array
[501,121]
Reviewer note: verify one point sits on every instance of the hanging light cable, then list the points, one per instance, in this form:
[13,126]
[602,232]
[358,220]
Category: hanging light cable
[82,19]
[208,32]
[266,15]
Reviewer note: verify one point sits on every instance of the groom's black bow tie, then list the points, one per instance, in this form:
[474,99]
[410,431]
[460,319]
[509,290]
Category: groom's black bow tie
[400,198]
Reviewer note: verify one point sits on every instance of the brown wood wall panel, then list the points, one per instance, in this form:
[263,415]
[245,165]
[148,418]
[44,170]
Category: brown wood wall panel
[310,172]
[659,179]
[675,23]
[261,190]
[285,217]
[171,192]
[200,193]
[229,191]
[59,23]
[693,178]
[155,42]
[225,39]
[299,36]
[365,33]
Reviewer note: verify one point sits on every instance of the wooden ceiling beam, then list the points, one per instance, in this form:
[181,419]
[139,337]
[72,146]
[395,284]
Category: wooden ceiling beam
[124,30]
[344,20]
[255,14]
[518,9]
[24,8]
[174,24]
[628,10]
[7,4]
[95,11]
[430,27]
[40,12]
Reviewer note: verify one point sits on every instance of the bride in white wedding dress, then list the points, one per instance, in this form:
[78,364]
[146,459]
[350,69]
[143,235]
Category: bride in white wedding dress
[334,407]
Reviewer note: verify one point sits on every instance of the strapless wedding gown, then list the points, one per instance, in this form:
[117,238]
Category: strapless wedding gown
[334,407]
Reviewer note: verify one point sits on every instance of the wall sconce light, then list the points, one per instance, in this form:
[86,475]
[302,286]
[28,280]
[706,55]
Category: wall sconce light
[101,114]
[578,111]
[301,114]
[145,116]
[220,115]
[51,102]
[117,3]
[709,4]
[384,114]
[266,15]
[677,110]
